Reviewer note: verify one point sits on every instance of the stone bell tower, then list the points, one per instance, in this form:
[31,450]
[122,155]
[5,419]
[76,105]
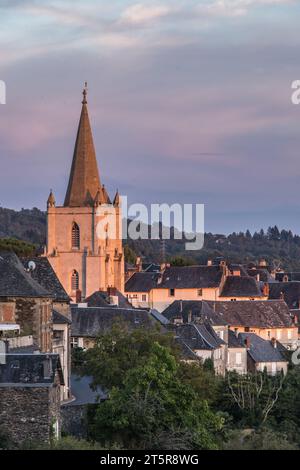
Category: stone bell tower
[84,236]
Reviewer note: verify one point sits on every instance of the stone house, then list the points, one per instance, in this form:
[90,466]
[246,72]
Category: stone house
[267,319]
[89,322]
[25,303]
[237,354]
[203,343]
[30,396]
[209,282]
[264,355]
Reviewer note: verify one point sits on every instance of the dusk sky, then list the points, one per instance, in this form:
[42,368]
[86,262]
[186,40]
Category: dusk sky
[190,101]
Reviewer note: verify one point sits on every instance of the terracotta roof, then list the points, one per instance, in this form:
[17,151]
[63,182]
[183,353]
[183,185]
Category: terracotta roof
[255,313]
[84,179]
[241,286]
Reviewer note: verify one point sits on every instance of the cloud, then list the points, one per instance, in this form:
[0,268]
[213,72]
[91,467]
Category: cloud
[140,13]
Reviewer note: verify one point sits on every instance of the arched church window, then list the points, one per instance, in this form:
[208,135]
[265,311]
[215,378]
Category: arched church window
[75,236]
[75,280]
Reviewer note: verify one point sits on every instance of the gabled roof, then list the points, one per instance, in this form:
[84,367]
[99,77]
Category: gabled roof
[290,291]
[191,277]
[255,313]
[90,322]
[199,336]
[261,350]
[241,286]
[60,319]
[15,281]
[100,299]
[176,277]
[234,341]
[45,275]
[25,370]
[194,308]
[141,282]
[84,179]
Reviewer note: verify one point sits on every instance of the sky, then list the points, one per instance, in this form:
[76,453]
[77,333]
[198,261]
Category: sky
[189,100]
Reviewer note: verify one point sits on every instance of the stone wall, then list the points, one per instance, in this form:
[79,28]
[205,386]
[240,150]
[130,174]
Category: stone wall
[30,413]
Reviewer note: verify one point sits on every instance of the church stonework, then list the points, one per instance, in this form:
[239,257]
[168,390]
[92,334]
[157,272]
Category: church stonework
[84,261]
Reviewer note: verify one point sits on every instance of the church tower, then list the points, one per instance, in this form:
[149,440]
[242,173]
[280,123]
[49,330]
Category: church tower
[84,236]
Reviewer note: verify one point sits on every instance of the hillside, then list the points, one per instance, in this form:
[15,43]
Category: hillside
[277,247]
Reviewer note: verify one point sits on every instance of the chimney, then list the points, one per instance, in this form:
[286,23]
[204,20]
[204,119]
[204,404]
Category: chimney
[190,316]
[257,277]
[281,296]
[138,264]
[266,289]
[209,262]
[285,278]
[262,263]
[180,304]
[113,298]
[3,351]
[247,342]
[274,342]
[78,296]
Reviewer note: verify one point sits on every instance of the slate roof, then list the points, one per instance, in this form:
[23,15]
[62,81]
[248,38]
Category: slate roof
[197,308]
[151,267]
[199,336]
[290,290]
[175,277]
[264,274]
[91,321]
[241,286]
[234,341]
[60,319]
[45,275]
[100,299]
[82,391]
[262,350]
[141,282]
[26,370]
[190,277]
[15,281]
[255,313]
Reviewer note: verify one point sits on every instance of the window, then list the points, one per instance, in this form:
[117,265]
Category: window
[144,298]
[269,334]
[75,236]
[171,292]
[238,358]
[199,292]
[75,280]
[74,342]
[247,329]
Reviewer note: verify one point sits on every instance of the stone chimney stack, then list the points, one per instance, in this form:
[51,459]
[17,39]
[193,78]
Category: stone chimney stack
[78,296]
[274,342]
[247,342]
[209,262]
[266,289]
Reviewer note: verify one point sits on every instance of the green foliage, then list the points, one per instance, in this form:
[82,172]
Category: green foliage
[118,351]
[129,254]
[154,409]
[263,439]
[19,247]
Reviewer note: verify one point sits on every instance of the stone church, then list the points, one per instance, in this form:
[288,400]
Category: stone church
[84,258]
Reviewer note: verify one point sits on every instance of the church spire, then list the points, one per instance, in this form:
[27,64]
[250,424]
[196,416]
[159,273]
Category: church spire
[84,177]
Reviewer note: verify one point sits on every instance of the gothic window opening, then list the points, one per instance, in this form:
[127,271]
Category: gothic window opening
[75,236]
[75,280]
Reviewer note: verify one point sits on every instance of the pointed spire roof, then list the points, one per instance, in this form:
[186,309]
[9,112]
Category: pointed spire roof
[84,177]
[117,199]
[105,195]
[51,199]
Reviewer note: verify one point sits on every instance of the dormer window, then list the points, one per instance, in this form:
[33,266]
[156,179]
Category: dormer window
[75,236]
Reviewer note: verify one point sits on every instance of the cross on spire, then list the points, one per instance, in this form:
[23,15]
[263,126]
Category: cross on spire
[85,90]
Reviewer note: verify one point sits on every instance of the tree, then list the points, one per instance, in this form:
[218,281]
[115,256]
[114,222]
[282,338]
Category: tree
[119,350]
[155,410]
